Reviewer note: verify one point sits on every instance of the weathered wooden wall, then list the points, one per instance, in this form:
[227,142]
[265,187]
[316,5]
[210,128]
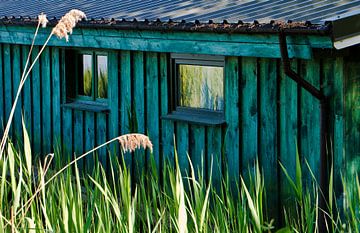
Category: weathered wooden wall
[267,115]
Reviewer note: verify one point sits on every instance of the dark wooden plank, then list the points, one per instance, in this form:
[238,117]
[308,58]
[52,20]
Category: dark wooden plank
[197,149]
[46,108]
[231,96]
[352,116]
[89,125]
[288,133]
[214,141]
[2,107]
[27,93]
[101,138]
[67,133]
[138,108]
[152,98]
[113,98]
[79,136]
[249,116]
[125,99]
[182,147]
[16,76]
[7,83]
[87,106]
[310,122]
[56,97]
[268,133]
[36,103]
[333,86]
[167,127]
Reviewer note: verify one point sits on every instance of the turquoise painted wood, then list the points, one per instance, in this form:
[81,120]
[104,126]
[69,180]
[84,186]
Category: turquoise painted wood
[249,116]
[152,97]
[55,97]
[232,118]
[45,84]
[7,82]
[310,116]
[36,103]
[101,138]
[78,136]
[27,99]
[139,109]
[197,149]
[182,146]
[288,125]
[167,128]
[176,43]
[268,147]
[214,155]
[16,76]
[125,100]
[89,139]
[2,121]
[113,95]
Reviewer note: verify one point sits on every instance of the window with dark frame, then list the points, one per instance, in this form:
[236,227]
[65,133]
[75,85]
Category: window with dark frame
[197,88]
[90,69]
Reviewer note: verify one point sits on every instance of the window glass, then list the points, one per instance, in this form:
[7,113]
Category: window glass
[86,76]
[102,77]
[201,87]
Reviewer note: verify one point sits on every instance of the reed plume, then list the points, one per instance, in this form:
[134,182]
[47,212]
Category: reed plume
[133,141]
[67,23]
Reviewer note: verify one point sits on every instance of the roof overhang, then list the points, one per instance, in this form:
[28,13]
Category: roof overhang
[346,29]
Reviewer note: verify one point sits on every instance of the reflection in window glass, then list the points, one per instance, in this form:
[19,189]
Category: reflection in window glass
[201,87]
[102,77]
[85,85]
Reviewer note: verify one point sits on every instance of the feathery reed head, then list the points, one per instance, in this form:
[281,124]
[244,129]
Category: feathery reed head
[67,23]
[131,142]
[42,20]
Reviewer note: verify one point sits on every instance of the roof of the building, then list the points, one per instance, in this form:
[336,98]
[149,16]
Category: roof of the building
[315,11]
[337,17]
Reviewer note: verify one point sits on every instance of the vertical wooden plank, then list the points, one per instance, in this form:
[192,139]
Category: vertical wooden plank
[27,92]
[113,90]
[101,138]
[152,97]
[36,103]
[310,122]
[89,139]
[333,85]
[197,149]
[56,98]
[2,107]
[167,127]
[138,107]
[7,83]
[182,146]
[66,116]
[352,114]
[232,118]
[67,133]
[16,76]
[125,99]
[213,138]
[268,132]
[288,133]
[249,115]
[79,136]
[46,101]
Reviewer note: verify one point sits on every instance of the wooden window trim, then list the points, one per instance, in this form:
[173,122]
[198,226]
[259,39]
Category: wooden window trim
[189,114]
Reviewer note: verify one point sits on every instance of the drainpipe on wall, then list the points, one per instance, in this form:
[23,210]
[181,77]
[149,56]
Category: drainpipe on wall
[324,160]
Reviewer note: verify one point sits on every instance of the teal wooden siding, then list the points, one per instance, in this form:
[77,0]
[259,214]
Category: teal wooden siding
[267,115]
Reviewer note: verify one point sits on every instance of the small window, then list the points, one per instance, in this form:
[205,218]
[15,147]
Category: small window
[91,68]
[197,88]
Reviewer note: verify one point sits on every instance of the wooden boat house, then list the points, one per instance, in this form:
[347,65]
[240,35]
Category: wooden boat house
[224,81]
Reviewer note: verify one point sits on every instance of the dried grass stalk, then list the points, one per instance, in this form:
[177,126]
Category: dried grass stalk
[67,23]
[133,141]
[43,20]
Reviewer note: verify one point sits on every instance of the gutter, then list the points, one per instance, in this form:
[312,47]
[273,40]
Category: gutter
[324,112]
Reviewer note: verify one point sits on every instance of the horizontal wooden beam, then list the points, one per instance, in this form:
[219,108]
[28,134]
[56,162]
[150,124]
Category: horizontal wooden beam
[251,45]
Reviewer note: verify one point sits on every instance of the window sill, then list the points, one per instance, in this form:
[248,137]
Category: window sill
[87,106]
[195,117]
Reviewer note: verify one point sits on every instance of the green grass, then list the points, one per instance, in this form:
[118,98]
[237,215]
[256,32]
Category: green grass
[112,202]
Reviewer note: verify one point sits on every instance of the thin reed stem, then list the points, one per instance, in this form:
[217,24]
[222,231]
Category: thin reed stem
[7,128]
